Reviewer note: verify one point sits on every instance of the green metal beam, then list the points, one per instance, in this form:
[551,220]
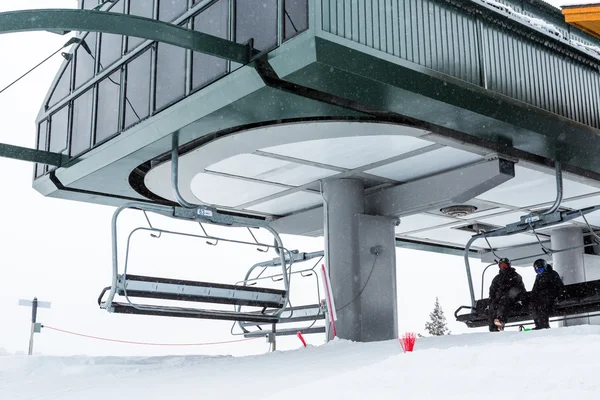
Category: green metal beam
[122,24]
[32,155]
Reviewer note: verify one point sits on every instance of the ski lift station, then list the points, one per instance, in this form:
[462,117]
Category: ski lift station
[466,127]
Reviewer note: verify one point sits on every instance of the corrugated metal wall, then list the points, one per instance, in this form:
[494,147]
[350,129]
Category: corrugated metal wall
[446,39]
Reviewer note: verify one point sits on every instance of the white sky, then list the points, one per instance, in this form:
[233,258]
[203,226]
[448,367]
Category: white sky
[60,250]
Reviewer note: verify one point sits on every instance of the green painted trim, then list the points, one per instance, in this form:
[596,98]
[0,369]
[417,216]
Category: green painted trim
[32,155]
[122,24]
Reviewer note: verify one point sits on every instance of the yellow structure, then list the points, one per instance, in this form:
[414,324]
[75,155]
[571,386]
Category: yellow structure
[585,17]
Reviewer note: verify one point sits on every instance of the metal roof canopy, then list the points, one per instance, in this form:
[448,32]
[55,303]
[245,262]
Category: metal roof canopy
[507,213]
[279,176]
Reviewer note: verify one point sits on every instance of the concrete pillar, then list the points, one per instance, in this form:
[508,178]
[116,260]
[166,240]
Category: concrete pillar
[360,254]
[569,264]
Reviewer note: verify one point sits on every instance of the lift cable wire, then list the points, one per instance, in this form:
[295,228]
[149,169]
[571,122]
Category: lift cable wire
[145,343]
[70,42]
[363,288]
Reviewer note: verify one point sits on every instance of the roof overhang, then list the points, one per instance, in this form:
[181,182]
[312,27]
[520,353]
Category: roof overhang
[585,17]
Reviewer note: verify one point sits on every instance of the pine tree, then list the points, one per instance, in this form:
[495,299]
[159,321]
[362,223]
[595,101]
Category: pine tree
[437,325]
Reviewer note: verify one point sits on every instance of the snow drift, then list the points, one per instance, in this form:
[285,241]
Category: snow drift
[554,364]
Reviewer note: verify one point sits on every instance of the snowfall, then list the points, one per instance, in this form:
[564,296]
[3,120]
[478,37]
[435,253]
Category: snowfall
[554,364]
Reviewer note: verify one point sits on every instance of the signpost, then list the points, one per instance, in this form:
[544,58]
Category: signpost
[35,327]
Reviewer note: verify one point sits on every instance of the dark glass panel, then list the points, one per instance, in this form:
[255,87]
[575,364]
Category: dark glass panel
[142,8]
[41,145]
[59,126]
[62,88]
[295,18]
[41,137]
[170,74]
[107,120]
[110,45]
[84,60]
[137,89]
[169,10]
[257,19]
[82,123]
[214,21]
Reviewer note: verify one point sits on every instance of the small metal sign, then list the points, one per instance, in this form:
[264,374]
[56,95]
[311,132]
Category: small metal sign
[29,303]
[36,327]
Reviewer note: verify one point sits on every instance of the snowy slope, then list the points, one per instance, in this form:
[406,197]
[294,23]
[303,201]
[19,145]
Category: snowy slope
[556,364]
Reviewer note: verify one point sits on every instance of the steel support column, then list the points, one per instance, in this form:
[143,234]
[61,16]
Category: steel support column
[569,264]
[360,254]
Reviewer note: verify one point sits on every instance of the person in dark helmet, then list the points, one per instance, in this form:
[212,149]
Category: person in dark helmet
[505,291]
[548,287]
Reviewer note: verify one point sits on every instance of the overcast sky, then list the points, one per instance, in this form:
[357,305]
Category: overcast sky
[60,250]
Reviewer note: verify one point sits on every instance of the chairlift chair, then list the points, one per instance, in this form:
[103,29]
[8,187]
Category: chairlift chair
[291,315]
[271,302]
[578,298]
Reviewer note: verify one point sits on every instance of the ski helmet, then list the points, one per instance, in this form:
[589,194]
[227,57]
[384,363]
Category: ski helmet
[540,265]
[504,263]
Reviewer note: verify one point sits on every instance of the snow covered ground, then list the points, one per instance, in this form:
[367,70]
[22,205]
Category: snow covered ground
[556,364]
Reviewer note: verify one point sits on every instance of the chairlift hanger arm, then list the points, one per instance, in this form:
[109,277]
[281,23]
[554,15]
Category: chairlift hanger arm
[559,189]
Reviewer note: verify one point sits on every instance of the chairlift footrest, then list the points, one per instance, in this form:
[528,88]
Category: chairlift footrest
[285,332]
[297,314]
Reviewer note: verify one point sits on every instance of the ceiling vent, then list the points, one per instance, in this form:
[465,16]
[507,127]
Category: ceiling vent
[458,211]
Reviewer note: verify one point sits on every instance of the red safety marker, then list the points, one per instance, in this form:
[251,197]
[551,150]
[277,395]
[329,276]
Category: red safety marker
[408,341]
[299,334]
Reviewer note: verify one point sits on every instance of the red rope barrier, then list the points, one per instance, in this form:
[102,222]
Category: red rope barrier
[146,343]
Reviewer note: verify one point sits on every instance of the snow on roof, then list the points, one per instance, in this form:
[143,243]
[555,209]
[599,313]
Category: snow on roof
[543,25]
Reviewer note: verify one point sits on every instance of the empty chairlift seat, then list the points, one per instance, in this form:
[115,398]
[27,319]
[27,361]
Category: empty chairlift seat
[293,319]
[192,291]
[268,303]
[307,313]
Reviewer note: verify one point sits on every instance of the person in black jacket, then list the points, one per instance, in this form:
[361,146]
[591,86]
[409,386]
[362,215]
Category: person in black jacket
[547,288]
[505,291]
